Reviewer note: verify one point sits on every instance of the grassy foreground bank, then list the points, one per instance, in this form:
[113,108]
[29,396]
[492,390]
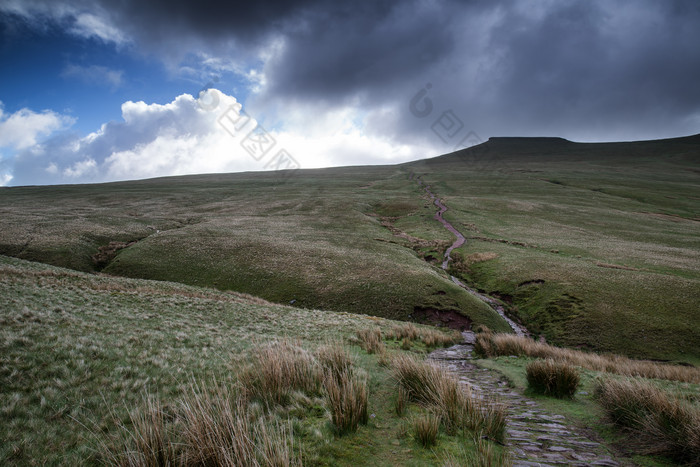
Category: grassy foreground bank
[84,358]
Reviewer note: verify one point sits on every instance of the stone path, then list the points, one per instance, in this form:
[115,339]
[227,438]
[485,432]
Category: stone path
[535,437]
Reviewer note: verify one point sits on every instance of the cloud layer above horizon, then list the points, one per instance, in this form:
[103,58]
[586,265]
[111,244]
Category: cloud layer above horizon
[210,134]
[337,84]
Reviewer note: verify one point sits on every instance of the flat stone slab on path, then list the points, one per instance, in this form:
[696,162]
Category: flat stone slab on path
[534,436]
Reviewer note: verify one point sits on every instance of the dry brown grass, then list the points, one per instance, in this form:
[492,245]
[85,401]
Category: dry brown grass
[425,429]
[485,456]
[401,401]
[432,338]
[146,443]
[219,430]
[552,378]
[345,389]
[662,422]
[213,425]
[489,345]
[279,368]
[371,340]
[404,331]
[481,257]
[409,332]
[334,359]
[432,387]
[347,397]
[463,263]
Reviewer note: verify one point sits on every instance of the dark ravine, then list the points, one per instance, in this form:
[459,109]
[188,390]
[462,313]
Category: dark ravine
[459,241]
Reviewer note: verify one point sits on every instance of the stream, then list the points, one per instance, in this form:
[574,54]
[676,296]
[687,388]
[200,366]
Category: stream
[459,241]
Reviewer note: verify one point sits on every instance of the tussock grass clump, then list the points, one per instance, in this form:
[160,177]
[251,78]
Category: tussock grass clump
[493,421]
[664,423]
[488,344]
[401,401]
[458,409]
[408,332]
[146,442]
[279,368]
[346,390]
[213,425]
[371,340]
[404,331]
[334,359]
[433,338]
[347,401]
[218,429]
[552,378]
[420,380]
[425,429]
[486,455]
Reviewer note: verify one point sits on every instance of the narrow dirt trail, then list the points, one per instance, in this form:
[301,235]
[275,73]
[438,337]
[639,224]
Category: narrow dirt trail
[459,241]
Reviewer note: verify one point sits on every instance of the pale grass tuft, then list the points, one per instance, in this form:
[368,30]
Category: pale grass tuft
[334,358]
[409,332]
[663,423]
[219,429]
[371,340]
[485,455]
[279,368]
[347,397]
[404,331]
[213,425]
[425,429]
[432,387]
[146,443]
[488,345]
[552,378]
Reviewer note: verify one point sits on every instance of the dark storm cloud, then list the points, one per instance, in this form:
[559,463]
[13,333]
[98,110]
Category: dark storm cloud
[356,53]
[579,68]
[595,65]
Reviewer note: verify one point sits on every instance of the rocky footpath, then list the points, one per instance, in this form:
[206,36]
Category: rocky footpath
[534,436]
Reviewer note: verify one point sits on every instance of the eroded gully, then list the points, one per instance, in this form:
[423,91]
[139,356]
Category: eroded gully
[459,241]
[535,437]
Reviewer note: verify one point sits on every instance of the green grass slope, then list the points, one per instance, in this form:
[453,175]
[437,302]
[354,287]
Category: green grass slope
[317,239]
[594,245]
[80,352]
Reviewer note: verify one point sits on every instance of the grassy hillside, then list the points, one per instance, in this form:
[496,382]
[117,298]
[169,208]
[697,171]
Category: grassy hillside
[593,245]
[317,239]
[79,353]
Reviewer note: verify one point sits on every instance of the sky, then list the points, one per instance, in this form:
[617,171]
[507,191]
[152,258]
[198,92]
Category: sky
[97,90]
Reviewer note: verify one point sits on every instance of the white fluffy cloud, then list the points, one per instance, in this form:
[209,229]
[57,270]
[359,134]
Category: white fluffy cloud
[206,135]
[24,128]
